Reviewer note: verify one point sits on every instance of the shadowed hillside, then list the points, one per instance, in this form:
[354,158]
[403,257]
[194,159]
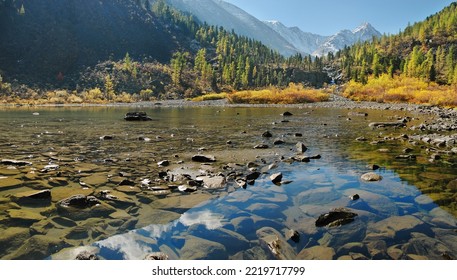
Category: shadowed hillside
[48,37]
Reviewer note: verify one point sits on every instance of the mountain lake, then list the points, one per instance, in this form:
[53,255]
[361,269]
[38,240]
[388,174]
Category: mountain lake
[221,183]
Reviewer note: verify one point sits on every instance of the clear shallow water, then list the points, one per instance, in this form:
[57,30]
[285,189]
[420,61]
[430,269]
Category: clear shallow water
[233,223]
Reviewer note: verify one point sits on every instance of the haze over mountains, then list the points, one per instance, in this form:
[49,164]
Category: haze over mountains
[286,40]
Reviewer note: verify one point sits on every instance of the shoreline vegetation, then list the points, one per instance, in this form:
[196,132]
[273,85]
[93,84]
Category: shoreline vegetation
[381,90]
[293,94]
[402,89]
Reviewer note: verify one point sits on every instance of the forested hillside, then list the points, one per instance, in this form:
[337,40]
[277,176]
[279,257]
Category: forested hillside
[136,47]
[426,50]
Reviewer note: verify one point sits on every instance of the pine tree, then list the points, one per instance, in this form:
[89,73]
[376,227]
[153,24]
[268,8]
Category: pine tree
[109,88]
[376,66]
[22,10]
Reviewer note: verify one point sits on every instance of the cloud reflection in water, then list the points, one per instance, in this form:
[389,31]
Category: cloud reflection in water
[135,245]
[207,218]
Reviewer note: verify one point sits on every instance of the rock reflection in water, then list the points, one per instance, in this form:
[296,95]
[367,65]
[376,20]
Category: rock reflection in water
[393,221]
[68,158]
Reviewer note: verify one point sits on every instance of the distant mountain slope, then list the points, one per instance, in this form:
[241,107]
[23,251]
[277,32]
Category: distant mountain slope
[220,13]
[319,45]
[303,41]
[62,36]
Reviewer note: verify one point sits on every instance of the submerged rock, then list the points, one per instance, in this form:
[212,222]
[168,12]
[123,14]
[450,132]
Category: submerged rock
[293,235]
[86,256]
[387,124]
[79,201]
[336,217]
[317,253]
[32,197]
[275,244]
[24,215]
[156,256]
[192,249]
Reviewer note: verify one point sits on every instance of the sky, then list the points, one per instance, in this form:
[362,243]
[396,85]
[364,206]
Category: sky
[327,17]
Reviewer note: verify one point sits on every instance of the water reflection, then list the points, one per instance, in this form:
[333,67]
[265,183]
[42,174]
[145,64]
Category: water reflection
[207,218]
[240,223]
[392,215]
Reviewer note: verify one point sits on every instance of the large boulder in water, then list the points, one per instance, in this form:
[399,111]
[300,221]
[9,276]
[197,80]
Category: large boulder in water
[137,116]
[336,217]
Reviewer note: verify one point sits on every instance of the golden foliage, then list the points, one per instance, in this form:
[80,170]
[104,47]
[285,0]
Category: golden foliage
[210,96]
[293,94]
[402,89]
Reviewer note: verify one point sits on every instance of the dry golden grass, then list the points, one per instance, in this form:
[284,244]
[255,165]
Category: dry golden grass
[210,96]
[293,94]
[402,89]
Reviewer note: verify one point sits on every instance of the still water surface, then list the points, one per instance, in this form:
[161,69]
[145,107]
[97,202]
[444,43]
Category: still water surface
[397,217]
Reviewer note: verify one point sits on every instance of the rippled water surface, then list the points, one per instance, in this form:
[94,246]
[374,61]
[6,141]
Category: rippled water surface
[409,214]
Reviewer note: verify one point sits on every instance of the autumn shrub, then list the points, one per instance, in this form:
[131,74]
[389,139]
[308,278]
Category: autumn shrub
[124,98]
[57,96]
[293,94]
[401,89]
[146,94]
[74,99]
[93,96]
[210,96]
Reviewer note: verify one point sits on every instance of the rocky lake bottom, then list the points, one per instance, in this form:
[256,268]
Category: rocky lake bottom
[228,182]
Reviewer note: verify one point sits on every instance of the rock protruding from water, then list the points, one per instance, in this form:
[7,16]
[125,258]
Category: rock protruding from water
[371,177]
[204,158]
[137,116]
[336,217]
[15,162]
[387,124]
[301,147]
[276,178]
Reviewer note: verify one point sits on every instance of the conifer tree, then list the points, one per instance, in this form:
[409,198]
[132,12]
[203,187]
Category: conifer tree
[109,88]
[22,10]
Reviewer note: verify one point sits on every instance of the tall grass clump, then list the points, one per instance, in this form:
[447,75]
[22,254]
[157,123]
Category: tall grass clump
[210,96]
[293,94]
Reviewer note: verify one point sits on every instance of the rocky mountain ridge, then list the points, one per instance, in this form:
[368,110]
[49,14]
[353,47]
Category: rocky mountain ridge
[318,45]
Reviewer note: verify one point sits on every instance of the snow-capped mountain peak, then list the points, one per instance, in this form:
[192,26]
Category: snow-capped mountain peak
[286,40]
[362,33]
